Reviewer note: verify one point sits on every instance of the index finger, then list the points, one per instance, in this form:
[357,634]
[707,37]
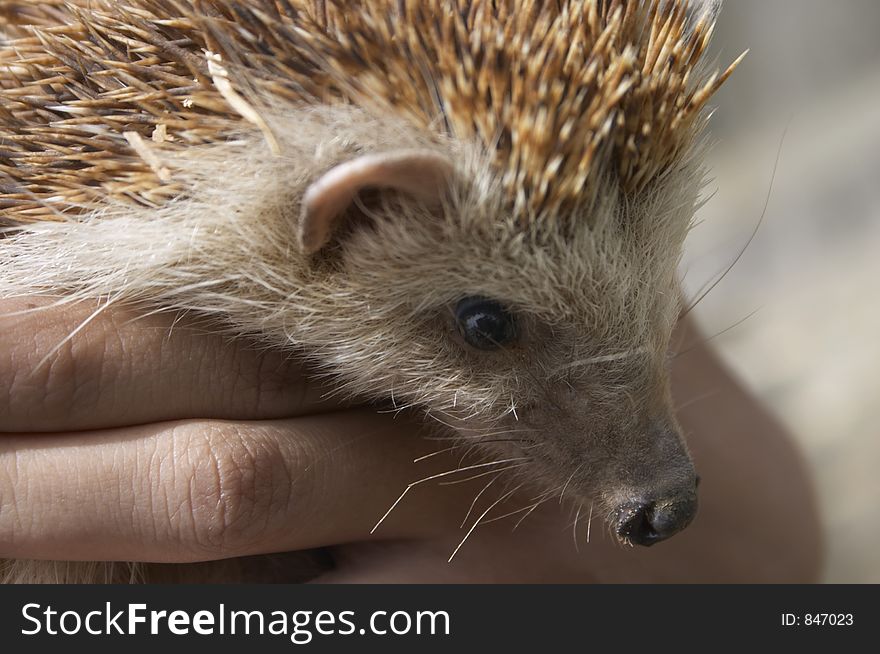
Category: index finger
[203,490]
[68,368]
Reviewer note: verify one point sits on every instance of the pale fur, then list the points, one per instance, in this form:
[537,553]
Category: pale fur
[229,253]
[595,291]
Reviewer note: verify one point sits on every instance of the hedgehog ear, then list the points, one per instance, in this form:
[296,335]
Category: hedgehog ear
[421,174]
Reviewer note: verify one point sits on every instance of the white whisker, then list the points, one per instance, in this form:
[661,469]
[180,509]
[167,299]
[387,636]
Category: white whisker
[482,474]
[590,522]
[438,476]
[605,358]
[97,312]
[474,503]
[576,470]
[483,515]
[433,454]
[543,497]
[529,512]
[574,528]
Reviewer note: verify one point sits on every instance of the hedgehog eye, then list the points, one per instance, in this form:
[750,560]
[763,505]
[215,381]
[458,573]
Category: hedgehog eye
[484,323]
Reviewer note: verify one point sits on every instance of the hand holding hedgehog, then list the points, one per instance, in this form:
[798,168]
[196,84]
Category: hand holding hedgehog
[183,447]
[173,447]
[476,209]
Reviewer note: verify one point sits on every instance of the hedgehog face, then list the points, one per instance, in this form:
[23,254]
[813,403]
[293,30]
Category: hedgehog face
[547,344]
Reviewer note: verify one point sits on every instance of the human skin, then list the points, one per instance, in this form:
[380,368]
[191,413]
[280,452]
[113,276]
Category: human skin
[151,439]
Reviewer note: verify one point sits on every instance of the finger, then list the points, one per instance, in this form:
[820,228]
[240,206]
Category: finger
[118,370]
[201,490]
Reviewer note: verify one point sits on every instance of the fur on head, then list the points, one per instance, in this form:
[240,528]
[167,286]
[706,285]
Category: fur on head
[473,207]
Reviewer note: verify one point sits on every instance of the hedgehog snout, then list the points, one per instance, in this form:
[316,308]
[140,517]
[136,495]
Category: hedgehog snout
[649,520]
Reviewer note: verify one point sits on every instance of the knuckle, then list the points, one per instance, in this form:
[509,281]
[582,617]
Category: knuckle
[236,487]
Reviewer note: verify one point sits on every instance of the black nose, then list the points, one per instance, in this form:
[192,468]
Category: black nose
[649,522]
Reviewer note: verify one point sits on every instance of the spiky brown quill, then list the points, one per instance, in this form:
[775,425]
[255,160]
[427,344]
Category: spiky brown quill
[203,155]
[561,93]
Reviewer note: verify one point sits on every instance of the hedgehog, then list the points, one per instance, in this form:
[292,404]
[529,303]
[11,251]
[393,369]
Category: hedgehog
[475,208]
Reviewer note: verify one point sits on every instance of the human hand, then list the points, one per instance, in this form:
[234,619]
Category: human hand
[151,440]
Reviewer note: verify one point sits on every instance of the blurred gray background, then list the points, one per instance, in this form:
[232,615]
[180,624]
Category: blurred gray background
[812,273]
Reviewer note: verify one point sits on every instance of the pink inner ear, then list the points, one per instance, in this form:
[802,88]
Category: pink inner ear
[422,174]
